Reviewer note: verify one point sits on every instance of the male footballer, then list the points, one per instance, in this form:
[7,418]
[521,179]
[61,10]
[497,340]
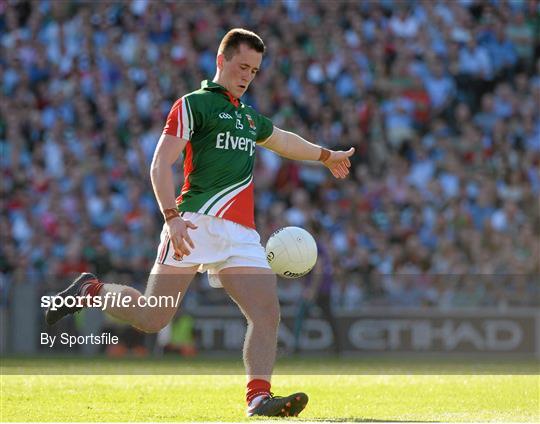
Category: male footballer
[210,227]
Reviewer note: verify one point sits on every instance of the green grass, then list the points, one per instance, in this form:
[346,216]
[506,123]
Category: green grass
[111,392]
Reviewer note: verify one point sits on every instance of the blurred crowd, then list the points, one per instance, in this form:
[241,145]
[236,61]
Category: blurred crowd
[441,100]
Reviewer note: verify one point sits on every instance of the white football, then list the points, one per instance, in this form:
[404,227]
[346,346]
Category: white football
[291,252]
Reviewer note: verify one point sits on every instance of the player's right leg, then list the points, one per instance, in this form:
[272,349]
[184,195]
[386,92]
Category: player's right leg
[169,276]
[166,284]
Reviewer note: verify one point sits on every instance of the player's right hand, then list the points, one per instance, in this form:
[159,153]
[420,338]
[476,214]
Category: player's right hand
[180,239]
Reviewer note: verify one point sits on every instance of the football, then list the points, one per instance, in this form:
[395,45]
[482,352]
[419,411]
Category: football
[291,252]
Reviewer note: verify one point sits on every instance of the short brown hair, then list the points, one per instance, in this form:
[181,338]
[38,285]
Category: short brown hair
[236,36]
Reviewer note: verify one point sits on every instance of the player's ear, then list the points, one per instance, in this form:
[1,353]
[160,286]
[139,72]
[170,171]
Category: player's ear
[219,61]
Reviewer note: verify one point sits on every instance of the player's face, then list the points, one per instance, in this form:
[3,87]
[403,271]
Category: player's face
[237,73]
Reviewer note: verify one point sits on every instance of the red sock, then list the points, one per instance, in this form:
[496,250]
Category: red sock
[91,288]
[257,388]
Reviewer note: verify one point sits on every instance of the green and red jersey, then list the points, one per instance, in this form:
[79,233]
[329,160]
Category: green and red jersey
[222,133]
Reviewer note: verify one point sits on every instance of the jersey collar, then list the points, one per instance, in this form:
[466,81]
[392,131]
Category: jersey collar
[212,86]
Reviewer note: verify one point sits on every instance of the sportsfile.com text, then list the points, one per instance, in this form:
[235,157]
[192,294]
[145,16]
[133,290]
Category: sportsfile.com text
[109,300]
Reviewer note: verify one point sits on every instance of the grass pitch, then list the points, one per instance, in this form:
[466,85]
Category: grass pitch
[213,390]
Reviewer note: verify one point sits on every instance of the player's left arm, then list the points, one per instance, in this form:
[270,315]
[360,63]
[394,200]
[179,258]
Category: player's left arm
[292,146]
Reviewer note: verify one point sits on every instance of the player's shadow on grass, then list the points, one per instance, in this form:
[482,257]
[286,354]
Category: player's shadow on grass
[362,420]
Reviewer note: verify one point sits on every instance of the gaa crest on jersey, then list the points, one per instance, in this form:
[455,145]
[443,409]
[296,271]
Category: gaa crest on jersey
[225,115]
[251,122]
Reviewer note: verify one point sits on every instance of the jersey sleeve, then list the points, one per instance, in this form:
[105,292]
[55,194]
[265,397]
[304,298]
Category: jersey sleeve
[180,122]
[265,128]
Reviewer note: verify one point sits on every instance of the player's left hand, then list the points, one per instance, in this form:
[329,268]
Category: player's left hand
[338,163]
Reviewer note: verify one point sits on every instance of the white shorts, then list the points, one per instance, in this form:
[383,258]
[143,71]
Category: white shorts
[219,244]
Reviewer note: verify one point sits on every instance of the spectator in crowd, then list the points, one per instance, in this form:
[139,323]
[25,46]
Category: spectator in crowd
[441,100]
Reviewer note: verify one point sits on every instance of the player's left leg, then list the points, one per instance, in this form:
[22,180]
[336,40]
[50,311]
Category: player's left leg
[254,290]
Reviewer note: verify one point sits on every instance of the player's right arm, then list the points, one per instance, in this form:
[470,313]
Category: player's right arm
[167,152]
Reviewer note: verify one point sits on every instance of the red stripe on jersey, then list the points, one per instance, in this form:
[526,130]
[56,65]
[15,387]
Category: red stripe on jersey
[188,169]
[226,205]
[171,125]
[180,118]
[242,210]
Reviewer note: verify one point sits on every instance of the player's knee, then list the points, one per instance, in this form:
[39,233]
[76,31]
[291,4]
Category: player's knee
[267,317]
[273,321]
